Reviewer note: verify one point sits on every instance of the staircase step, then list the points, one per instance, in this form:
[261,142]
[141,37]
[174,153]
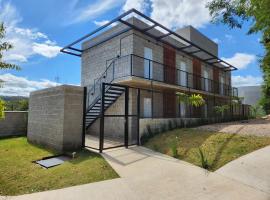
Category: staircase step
[113,92]
[114,87]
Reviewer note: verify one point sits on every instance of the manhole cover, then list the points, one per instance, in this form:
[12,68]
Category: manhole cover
[52,161]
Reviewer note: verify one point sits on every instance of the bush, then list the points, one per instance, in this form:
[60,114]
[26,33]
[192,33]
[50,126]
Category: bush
[204,161]
[174,147]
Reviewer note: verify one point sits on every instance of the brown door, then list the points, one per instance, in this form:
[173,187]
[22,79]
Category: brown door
[170,65]
[197,71]
[169,108]
[216,80]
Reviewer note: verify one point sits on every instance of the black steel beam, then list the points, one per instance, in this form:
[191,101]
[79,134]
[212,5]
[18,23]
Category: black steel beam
[193,52]
[126,115]
[100,28]
[186,47]
[155,24]
[138,114]
[149,28]
[84,115]
[163,36]
[101,131]
[67,52]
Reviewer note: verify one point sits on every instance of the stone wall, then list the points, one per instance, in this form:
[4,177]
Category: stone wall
[14,123]
[55,117]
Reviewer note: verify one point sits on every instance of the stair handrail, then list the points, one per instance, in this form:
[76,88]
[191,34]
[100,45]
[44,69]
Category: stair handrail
[98,81]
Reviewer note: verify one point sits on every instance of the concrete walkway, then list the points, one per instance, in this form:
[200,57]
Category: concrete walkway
[149,175]
[252,169]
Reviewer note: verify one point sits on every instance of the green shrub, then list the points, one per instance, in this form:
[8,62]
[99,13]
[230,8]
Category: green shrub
[174,147]
[149,131]
[204,161]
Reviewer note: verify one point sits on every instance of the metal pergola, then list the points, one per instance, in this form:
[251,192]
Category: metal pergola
[156,31]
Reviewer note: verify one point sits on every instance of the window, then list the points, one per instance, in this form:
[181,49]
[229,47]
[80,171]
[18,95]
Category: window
[206,80]
[182,74]
[148,65]
[147,107]
[222,81]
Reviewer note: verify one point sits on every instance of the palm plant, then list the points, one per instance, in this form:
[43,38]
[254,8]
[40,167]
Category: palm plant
[195,100]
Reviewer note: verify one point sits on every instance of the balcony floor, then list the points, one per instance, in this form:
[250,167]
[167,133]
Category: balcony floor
[143,83]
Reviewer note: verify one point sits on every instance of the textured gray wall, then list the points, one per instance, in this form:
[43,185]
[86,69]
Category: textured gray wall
[14,123]
[55,117]
[193,35]
[251,94]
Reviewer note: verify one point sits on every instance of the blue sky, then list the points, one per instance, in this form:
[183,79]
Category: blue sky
[38,29]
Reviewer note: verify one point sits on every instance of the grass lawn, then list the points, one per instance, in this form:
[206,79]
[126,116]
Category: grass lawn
[18,175]
[218,148]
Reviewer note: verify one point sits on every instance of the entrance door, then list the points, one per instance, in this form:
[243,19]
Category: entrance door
[148,65]
[147,107]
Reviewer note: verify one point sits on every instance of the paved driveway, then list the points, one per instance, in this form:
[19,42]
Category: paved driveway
[252,169]
[149,175]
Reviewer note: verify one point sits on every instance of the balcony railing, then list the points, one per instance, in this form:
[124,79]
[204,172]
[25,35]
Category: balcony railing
[134,65]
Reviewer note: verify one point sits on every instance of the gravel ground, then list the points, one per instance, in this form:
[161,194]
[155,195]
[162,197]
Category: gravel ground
[258,127]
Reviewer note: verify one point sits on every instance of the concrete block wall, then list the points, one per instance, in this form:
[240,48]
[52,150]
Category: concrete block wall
[159,123]
[55,117]
[14,123]
[96,59]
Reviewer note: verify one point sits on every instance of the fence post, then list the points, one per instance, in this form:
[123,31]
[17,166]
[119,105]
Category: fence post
[101,131]
[138,114]
[126,115]
[84,116]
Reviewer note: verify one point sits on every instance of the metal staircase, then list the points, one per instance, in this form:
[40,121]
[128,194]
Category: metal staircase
[112,93]
[94,97]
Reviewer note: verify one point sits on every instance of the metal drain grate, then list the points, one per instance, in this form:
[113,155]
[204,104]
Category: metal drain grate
[52,161]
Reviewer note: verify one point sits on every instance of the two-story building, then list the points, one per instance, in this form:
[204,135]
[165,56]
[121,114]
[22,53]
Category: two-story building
[154,63]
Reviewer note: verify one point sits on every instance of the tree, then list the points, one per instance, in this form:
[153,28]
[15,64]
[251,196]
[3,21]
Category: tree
[4,46]
[2,108]
[234,13]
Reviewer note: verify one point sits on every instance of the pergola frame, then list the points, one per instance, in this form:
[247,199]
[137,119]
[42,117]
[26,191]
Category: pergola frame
[190,49]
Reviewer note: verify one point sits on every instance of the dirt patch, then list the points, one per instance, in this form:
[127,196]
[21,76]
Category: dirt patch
[258,127]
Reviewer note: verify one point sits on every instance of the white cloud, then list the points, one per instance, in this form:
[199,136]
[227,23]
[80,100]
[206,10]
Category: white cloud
[103,22]
[248,80]
[179,13]
[92,10]
[140,5]
[228,37]
[216,40]
[241,60]
[24,40]
[21,86]
[46,50]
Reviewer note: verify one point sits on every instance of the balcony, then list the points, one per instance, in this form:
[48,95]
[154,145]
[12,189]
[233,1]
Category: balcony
[136,66]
